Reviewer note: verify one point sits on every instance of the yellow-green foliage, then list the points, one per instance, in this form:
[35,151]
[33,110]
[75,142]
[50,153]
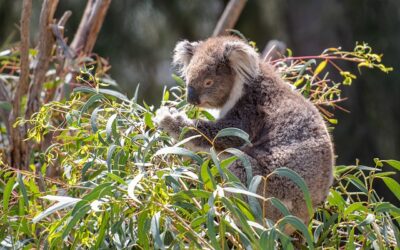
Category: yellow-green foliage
[127,185]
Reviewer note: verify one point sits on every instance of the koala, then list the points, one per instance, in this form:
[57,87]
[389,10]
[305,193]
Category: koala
[285,129]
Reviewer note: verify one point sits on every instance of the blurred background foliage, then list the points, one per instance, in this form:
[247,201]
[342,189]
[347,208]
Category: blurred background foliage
[138,38]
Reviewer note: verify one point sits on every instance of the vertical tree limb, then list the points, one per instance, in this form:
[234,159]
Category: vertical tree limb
[90,25]
[229,17]
[45,47]
[16,135]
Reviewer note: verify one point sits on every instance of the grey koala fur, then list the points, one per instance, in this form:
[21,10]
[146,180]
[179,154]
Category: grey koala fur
[285,129]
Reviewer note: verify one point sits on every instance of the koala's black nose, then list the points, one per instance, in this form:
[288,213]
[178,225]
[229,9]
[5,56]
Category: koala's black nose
[192,96]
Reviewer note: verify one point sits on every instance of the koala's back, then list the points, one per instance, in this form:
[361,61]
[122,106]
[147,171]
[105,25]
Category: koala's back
[286,131]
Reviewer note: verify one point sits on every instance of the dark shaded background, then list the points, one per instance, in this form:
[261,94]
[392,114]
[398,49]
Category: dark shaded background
[138,37]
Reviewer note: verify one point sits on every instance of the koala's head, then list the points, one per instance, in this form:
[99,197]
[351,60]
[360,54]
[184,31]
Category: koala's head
[215,68]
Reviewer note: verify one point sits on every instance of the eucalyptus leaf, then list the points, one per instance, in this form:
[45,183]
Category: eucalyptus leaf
[179,151]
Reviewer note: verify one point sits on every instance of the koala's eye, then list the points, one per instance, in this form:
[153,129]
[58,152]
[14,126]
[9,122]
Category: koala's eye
[208,83]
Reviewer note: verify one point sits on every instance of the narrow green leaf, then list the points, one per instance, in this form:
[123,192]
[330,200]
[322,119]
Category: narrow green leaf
[233,132]
[102,230]
[299,225]
[7,192]
[350,242]
[242,191]
[292,175]
[357,183]
[336,199]
[93,119]
[211,232]
[186,140]
[86,167]
[206,176]
[74,220]
[179,81]
[110,154]
[245,231]
[155,231]
[267,239]
[253,202]
[62,202]
[245,161]
[148,120]
[280,206]
[198,221]
[22,188]
[102,140]
[321,66]
[357,206]
[393,163]
[114,93]
[217,163]
[90,102]
[361,167]
[143,229]
[111,127]
[179,151]
[393,185]
[117,178]
[132,185]
[95,194]
[317,232]
[209,116]
[85,90]
[193,193]
[384,207]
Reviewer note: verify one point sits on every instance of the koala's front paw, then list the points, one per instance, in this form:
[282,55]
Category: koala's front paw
[170,120]
[163,118]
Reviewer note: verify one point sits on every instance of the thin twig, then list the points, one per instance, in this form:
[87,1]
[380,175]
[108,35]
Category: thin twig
[317,57]
[58,33]
[47,179]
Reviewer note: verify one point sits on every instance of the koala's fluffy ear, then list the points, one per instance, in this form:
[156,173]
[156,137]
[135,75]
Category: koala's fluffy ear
[243,59]
[183,53]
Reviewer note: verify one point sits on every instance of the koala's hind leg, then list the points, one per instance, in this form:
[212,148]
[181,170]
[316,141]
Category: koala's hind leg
[289,194]
[275,186]
[269,211]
